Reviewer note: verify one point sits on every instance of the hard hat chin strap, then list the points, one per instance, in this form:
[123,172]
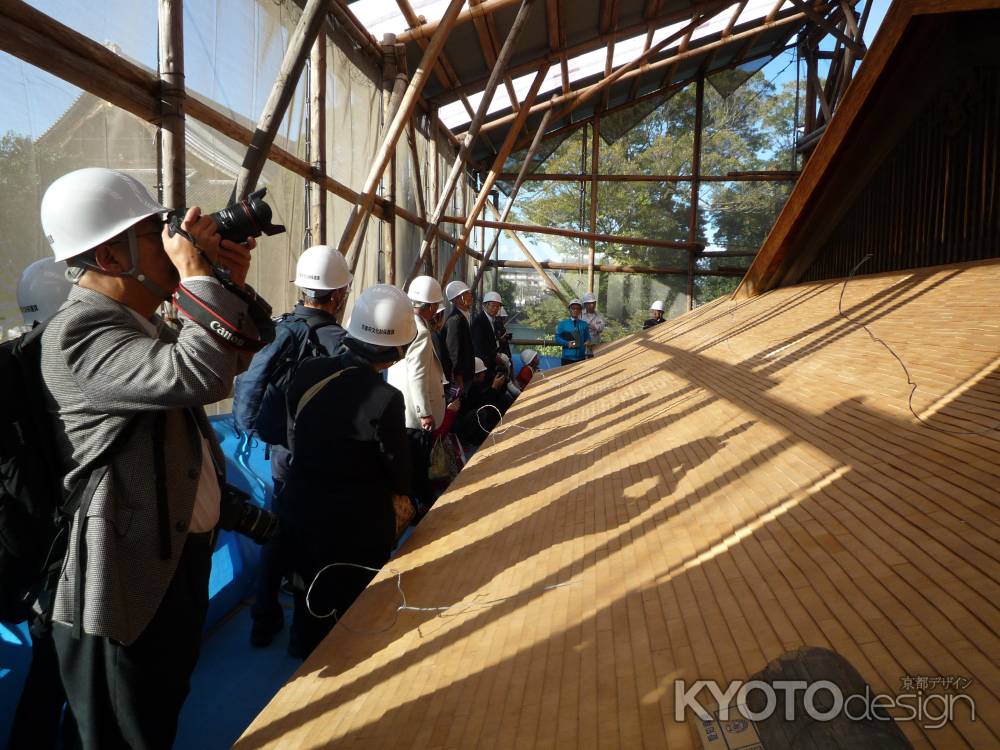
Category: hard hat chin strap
[133,249]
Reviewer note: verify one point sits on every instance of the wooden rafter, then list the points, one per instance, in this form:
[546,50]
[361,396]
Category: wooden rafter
[443,71]
[665,17]
[829,27]
[578,96]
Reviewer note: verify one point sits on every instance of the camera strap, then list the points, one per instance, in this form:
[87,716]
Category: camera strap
[257,307]
[212,321]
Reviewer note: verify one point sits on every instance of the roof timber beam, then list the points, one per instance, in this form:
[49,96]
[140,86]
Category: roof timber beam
[487,32]
[807,7]
[577,96]
[554,55]
[443,71]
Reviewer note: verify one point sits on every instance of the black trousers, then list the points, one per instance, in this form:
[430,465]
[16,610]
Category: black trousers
[40,721]
[131,696]
[274,566]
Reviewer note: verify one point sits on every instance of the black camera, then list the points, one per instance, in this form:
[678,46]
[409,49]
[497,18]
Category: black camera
[251,217]
[237,513]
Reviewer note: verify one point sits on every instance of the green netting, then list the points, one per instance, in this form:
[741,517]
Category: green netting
[617,124]
[725,82]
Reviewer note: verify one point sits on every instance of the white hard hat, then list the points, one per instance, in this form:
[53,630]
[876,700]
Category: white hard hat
[42,288]
[574,301]
[528,356]
[480,366]
[455,289]
[503,312]
[589,297]
[657,305]
[84,208]
[382,316]
[492,297]
[505,359]
[425,289]
[323,268]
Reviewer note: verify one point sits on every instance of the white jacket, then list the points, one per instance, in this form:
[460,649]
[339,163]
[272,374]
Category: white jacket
[596,324]
[420,378]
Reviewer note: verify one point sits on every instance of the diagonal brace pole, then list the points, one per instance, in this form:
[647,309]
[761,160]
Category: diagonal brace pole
[282,91]
[465,144]
[366,199]
[491,178]
[513,193]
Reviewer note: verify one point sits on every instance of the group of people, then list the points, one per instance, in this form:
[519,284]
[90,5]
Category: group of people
[367,422]
[448,380]
[353,415]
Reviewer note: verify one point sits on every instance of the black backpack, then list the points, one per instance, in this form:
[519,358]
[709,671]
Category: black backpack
[34,519]
[262,410]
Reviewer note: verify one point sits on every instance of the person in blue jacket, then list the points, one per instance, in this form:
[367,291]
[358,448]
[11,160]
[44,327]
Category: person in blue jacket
[574,334]
[310,329]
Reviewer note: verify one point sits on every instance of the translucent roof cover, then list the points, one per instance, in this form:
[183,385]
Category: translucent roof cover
[384,16]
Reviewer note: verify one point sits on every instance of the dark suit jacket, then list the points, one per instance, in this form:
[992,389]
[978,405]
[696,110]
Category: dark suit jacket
[458,342]
[484,342]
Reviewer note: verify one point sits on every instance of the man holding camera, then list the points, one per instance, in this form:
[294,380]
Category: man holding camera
[126,395]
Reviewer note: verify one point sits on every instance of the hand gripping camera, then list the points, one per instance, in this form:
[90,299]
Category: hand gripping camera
[250,217]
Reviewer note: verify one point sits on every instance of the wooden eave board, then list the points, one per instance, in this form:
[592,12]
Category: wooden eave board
[844,130]
[692,503]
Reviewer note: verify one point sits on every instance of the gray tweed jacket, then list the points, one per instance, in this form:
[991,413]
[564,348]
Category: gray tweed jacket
[101,371]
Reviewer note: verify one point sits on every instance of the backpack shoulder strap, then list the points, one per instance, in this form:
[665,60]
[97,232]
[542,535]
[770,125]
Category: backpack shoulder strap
[314,390]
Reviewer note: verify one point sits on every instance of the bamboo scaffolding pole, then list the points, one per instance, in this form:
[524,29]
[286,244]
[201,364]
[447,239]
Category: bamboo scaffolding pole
[462,157]
[595,156]
[52,46]
[582,95]
[750,176]
[491,177]
[317,135]
[366,200]
[608,268]
[418,182]
[392,87]
[615,239]
[443,71]
[824,23]
[435,189]
[340,10]
[281,94]
[173,154]
[633,72]
[532,262]
[513,193]
[699,110]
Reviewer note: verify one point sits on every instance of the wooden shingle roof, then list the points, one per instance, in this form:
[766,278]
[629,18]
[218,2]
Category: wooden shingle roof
[692,503]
